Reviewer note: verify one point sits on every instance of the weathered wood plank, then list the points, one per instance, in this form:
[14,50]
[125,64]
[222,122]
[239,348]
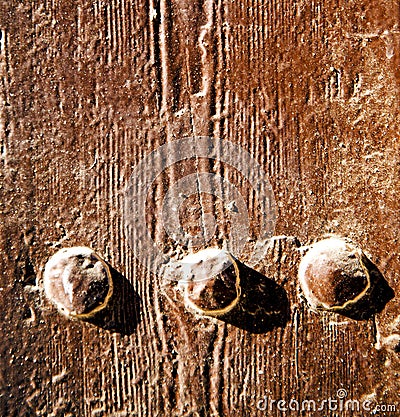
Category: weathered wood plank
[88,89]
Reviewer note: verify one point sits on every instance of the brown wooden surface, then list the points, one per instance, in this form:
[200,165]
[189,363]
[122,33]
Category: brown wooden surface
[88,88]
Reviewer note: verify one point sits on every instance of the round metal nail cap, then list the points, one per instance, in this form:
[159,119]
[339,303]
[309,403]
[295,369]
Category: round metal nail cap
[78,282]
[333,275]
[210,280]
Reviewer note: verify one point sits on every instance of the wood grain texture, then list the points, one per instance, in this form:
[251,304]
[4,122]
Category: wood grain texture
[87,89]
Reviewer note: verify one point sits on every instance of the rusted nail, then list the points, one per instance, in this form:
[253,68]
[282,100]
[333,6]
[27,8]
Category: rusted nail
[210,281]
[333,275]
[78,282]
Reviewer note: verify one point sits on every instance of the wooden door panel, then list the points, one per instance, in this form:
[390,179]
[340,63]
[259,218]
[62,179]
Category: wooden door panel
[89,89]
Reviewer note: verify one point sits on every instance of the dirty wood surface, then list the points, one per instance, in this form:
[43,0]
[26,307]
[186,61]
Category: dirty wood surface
[89,88]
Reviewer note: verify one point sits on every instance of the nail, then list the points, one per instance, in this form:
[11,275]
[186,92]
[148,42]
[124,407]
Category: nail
[333,275]
[210,281]
[78,282]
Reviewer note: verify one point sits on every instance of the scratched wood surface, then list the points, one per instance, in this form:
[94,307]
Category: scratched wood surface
[89,88]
